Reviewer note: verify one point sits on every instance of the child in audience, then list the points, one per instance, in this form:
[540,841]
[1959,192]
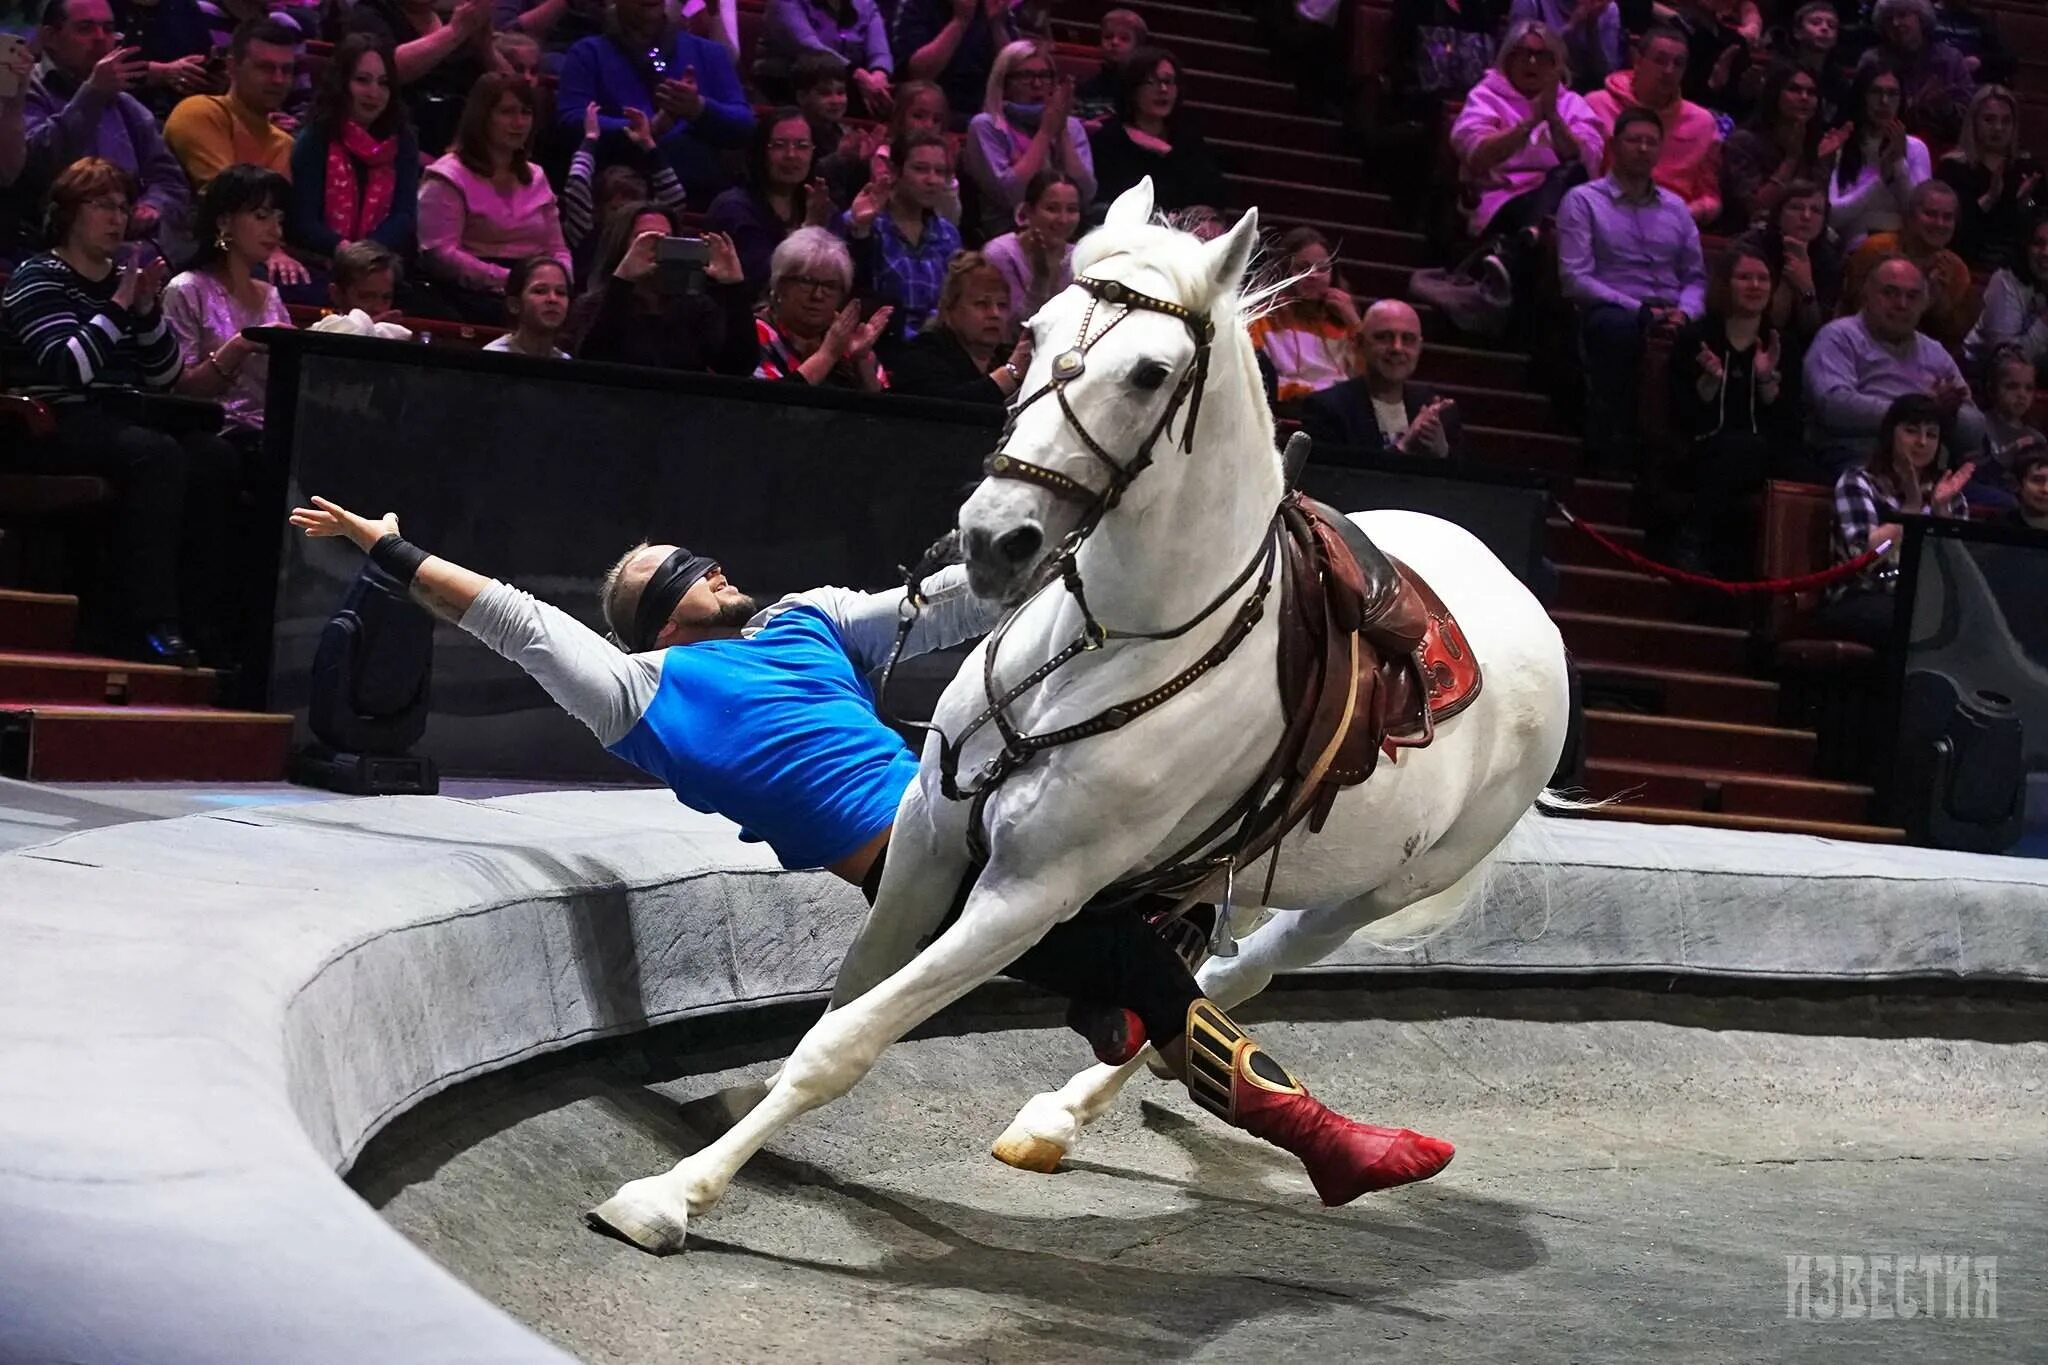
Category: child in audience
[1308,336]
[901,244]
[920,108]
[2031,475]
[518,53]
[1123,31]
[819,82]
[365,278]
[2009,435]
[588,204]
[537,304]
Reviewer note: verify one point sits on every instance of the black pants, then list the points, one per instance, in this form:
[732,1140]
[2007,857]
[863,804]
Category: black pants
[1102,956]
[174,495]
[1863,614]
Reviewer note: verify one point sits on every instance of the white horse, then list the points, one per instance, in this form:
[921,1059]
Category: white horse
[1075,818]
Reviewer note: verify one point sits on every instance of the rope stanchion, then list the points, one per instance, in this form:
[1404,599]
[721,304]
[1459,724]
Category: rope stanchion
[1747,587]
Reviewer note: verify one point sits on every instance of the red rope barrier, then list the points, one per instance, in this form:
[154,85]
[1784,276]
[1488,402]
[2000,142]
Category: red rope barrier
[1801,583]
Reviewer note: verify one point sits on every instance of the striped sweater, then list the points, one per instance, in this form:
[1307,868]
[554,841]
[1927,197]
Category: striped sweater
[64,331]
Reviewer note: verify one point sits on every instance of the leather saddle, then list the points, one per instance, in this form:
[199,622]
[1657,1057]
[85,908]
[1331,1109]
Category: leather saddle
[1370,659]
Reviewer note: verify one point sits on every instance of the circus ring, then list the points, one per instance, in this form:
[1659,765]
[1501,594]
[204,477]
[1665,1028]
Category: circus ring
[335,1082]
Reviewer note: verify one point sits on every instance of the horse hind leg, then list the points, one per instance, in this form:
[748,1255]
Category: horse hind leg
[1049,1125]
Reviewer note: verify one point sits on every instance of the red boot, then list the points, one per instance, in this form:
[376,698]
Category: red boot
[1233,1078]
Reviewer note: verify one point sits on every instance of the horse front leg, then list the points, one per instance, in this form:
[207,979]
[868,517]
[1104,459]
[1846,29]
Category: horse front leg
[1003,917]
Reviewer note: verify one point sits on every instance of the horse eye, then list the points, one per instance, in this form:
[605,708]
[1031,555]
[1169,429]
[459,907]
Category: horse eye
[1150,375]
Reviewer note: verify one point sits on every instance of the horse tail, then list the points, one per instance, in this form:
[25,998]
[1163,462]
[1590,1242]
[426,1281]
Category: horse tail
[1551,801]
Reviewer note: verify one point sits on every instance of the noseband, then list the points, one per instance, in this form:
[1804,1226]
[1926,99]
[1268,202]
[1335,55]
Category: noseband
[1062,566]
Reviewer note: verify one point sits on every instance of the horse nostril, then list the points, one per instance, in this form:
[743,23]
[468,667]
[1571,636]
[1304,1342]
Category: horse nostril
[974,545]
[1019,545]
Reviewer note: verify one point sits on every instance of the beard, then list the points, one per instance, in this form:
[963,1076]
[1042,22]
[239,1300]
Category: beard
[733,612]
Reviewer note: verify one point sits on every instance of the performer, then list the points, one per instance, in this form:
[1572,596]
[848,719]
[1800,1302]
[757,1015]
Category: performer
[765,717]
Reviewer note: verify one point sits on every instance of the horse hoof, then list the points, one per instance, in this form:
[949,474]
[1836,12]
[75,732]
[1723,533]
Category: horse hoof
[644,1217]
[1028,1152]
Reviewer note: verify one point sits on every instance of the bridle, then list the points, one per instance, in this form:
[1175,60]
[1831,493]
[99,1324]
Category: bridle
[1062,566]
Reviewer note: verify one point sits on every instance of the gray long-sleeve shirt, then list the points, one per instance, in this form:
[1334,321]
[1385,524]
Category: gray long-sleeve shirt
[1851,379]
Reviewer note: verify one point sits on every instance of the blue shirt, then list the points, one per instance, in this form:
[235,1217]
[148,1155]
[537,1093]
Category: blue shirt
[907,277]
[598,70]
[778,732]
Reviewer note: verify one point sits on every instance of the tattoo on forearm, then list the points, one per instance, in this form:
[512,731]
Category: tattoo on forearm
[437,601]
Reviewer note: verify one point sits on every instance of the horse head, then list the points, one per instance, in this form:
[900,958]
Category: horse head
[1122,361]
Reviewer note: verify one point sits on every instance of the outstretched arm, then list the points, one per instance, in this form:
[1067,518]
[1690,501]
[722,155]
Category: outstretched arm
[867,621]
[598,684]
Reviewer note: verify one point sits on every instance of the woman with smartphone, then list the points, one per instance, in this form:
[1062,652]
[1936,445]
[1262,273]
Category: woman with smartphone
[636,311]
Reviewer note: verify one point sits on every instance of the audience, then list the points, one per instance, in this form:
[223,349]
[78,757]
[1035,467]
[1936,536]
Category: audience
[1307,333]
[638,312]
[485,206]
[1719,35]
[819,84]
[1150,135]
[1899,472]
[1383,410]
[1025,126]
[850,32]
[1122,31]
[1628,254]
[920,108]
[241,225]
[780,195]
[1589,33]
[2031,500]
[2015,306]
[590,196]
[1880,163]
[2010,437]
[1522,140]
[364,278]
[78,105]
[519,54]
[1935,83]
[1859,364]
[356,165]
[1811,43]
[899,239]
[1930,226]
[1689,164]
[1975,37]
[1998,186]
[1727,384]
[537,305]
[1037,260]
[557,24]
[952,43]
[209,133]
[1804,261]
[961,354]
[84,315]
[1783,143]
[807,332]
[437,59]
[686,86]
[175,40]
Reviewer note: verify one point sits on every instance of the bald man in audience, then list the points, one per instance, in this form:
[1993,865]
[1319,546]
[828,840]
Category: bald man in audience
[1383,411]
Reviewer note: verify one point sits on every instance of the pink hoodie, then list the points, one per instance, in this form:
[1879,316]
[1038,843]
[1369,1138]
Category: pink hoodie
[1495,106]
[1691,164]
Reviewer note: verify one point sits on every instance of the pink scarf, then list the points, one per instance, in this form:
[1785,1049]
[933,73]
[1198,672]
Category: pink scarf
[353,221]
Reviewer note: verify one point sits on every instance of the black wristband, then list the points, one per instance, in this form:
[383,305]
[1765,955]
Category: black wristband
[398,557]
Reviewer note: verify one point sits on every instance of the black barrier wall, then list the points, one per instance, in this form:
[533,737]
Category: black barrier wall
[542,473]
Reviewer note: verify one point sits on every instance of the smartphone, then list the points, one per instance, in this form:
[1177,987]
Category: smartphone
[679,263]
[10,83]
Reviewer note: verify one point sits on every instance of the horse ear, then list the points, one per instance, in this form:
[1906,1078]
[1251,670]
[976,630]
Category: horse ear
[1132,208]
[1231,254]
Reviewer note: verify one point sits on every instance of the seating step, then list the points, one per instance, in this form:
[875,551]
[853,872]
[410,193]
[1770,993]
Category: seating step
[1314,168]
[1618,736]
[1681,692]
[50,742]
[1208,21]
[1610,502]
[1447,364]
[37,620]
[84,678]
[1655,644]
[1236,58]
[1767,824]
[1528,412]
[1569,546]
[1624,592]
[1540,451]
[1353,218]
[1722,791]
[1260,123]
